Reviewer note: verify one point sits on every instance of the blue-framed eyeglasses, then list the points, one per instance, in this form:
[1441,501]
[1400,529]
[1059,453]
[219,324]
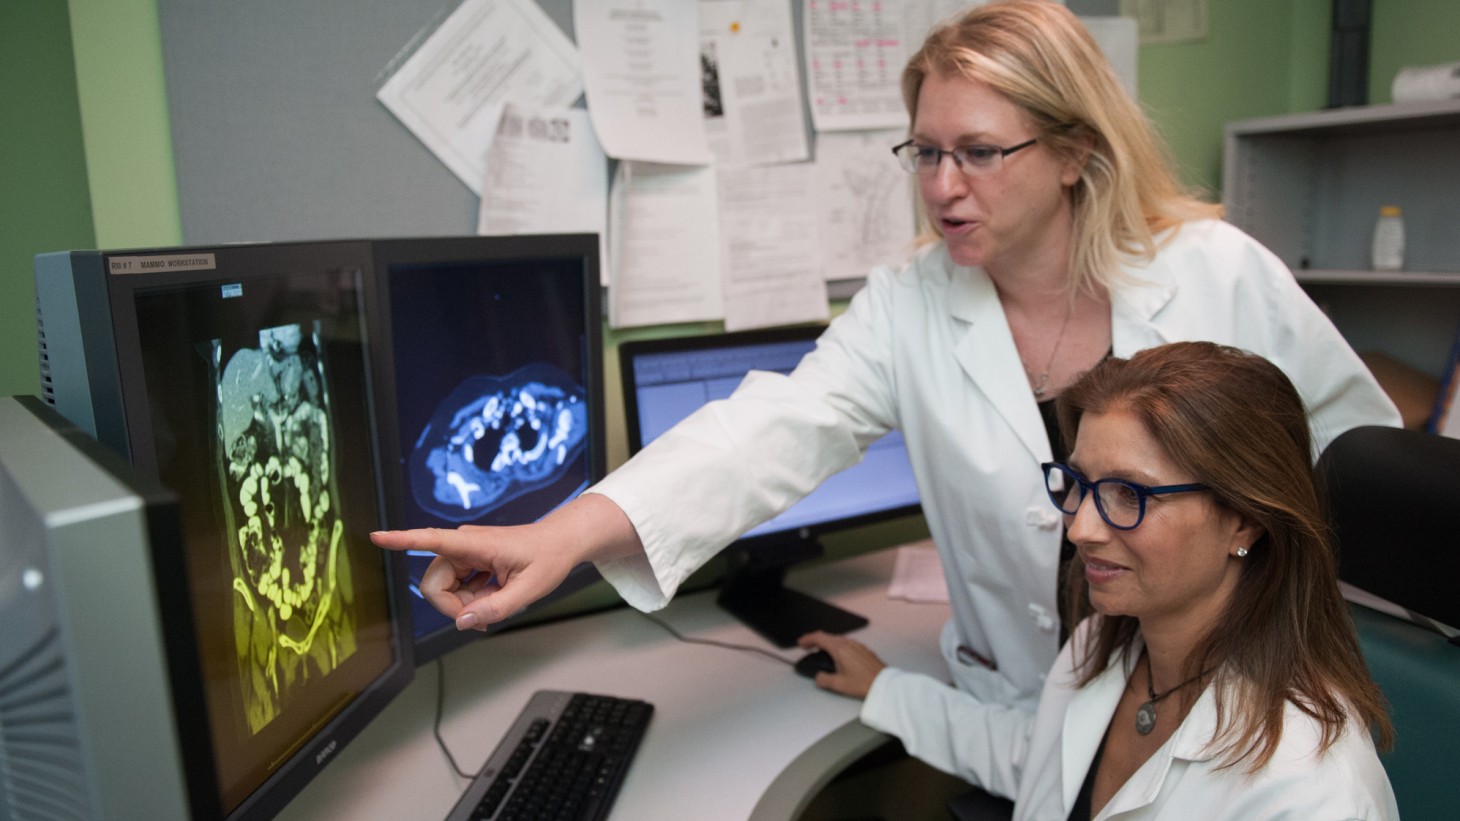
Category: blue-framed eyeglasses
[1120,503]
[974,160]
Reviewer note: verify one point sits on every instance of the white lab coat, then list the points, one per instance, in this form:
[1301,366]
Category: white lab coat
[1183,778]
[927,350]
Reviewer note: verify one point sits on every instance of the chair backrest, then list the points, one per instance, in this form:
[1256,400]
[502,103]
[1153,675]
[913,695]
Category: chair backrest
[1392,496]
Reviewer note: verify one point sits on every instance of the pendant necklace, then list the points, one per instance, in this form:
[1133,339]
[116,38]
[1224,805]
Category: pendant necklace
[1146,713]
[1042,381]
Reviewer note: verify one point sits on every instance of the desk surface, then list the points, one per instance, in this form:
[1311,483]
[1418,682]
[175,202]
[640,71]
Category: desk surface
[735,735]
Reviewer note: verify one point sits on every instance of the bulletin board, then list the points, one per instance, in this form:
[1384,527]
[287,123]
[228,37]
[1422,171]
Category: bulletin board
[277,134]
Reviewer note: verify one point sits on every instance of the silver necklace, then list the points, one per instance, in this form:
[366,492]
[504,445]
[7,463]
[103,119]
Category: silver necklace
[1041,382]
[1146,713]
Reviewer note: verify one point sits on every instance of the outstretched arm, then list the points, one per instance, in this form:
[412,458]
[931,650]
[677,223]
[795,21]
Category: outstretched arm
[482,575]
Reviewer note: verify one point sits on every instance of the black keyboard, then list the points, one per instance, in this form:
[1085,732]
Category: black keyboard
[564,758]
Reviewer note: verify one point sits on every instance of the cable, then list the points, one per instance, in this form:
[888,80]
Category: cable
[436,728]
[710,642]
[441,680]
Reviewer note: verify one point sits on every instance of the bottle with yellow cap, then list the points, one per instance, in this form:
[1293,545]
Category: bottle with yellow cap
[1387,250]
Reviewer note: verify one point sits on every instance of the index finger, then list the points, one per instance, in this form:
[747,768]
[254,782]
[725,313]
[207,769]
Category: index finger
[442,542]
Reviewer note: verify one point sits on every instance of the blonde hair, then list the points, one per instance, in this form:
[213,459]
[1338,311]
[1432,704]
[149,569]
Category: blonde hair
[1038,55]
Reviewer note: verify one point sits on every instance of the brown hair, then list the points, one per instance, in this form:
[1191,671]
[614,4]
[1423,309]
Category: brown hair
[1038,55]
[1235,423]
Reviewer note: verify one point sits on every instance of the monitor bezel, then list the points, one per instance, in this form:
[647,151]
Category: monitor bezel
[242,263]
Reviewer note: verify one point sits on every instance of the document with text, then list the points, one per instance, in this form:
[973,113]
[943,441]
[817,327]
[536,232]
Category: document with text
[867,212]
[771,257]
[545,174]
[752,86]
[641,75]
[451,90]
[664,245]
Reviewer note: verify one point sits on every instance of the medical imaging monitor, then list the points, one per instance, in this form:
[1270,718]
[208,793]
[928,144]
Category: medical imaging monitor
[239,378]
[490,391]
[665,380]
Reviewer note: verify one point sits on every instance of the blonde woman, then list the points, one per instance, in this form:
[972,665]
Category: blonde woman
[1060,236]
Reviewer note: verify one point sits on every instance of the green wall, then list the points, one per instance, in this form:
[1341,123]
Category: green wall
[1260,57]
[85,152]
[44,203]
[124,123]
[1410,33]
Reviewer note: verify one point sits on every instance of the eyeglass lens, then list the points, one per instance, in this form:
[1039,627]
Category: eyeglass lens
[971,159]
[1119,503]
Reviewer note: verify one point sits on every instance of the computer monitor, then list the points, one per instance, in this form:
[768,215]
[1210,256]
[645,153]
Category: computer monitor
[90,713]
[666,380]
[490,393]
[239,377]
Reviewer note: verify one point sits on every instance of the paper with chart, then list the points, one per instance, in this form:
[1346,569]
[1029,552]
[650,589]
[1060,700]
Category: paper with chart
[641,67]
[866,202]
[752,86]
[545,174]
[664,245]
[770,259]
[450,92]
[855,53]
[854,56]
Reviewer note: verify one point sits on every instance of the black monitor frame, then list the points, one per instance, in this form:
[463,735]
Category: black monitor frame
[104,288]
[753,589]
[440,636]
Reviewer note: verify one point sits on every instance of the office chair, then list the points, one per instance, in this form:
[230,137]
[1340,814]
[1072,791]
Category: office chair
[1392,496]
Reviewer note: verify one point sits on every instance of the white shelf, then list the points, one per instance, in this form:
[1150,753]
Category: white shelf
[1309,187]
[1332,276]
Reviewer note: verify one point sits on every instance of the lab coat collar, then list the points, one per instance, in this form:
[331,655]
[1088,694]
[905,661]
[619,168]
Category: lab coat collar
[1087,716]
[1083,730]
[986,350]
[1136,324]
[1190,742]
[1136,305]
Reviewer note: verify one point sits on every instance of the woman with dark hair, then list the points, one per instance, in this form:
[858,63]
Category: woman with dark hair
[1215,608]
[1215,671]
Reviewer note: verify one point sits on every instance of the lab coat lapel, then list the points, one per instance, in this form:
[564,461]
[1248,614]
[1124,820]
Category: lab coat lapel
[985,353]
[1191,742]
[1087,716]
[1135,309]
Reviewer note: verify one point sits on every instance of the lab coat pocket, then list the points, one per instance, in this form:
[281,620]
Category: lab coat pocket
[984,683]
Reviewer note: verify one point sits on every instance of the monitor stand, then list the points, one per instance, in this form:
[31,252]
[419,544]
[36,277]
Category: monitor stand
[754,592]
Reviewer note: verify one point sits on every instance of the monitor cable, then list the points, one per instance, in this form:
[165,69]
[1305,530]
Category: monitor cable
[436,728]
[745,648]
[441,680]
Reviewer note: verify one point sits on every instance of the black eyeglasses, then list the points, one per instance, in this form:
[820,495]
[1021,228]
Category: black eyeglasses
[1120,503]
[973,160]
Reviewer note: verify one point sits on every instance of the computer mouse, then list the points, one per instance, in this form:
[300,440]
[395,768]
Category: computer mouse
[817,661]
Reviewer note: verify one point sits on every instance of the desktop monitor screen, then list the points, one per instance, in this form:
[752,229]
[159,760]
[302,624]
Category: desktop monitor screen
[239,376]
[490,398]
[666,380]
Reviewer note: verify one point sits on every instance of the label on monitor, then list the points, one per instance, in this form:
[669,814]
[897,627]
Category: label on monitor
[161,262]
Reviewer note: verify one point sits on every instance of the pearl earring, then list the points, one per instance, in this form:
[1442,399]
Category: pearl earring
[1241,552]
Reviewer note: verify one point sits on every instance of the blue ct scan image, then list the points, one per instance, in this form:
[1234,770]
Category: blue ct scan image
[491,403]
[494,439]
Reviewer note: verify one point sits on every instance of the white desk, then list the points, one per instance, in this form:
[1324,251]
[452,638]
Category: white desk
[734,736]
